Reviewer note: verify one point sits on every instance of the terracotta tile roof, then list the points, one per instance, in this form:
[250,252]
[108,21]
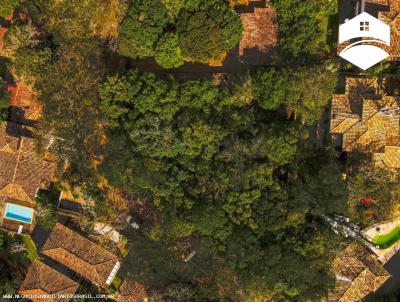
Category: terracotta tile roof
[358,273]
[366,118]
[80,254]
[22,171]
[131,291]
[260,34]
[25,108]
[391,16]
[381,2]
[44,280]
[389,159]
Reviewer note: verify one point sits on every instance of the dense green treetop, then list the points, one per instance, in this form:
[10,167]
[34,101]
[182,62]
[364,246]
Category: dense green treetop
[205,30]
[305,32]
[168,53]
[142,27]
[230,167]
[209,32]
[7,7]
[74,21]
[222,162]
[4,100]
[28,57]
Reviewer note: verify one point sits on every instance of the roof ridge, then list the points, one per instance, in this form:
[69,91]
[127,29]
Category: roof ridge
[362,123]
[346,119]
[17,162]
[77,284]
[8,143]
[98,277]
[348,289]
[354,140]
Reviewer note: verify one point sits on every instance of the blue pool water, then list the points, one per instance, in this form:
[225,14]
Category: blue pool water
[19,213]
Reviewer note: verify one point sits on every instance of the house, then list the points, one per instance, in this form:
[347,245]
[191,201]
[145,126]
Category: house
[131,291]
[260,35]
[81,255]
[358,273]
[45,284]
[22,172]
[366,118]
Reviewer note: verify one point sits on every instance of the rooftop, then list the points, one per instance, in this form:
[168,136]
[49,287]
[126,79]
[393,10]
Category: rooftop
[81,255]
[25,109]
[358,273]
[260,35]
[44,280]
[131,291]
[22,171]
[366,118]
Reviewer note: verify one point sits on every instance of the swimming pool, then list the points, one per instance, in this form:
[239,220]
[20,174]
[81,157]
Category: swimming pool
[18,213]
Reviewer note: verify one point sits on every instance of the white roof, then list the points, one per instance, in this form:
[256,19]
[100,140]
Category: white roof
[363,55]
[376,29]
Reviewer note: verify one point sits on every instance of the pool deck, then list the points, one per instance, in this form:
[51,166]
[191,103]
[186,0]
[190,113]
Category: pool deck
[11,224]
[384,228]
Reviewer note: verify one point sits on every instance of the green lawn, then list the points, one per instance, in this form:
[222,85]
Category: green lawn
[388,239]
[115,285]
[31,251]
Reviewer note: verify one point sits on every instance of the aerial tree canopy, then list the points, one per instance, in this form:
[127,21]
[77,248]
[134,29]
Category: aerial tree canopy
[4,100]
[206,30]
[305,32]
[142,27]
[28,57]
[168,53]
[231,168]
[7,7]
[74,20]
[207,34]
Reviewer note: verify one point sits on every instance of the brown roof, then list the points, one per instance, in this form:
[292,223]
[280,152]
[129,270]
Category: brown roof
[25,108]
[389,159]
[365,117]
[44,280]
[22,171]
[390,15]
[131,291]
[358,273]
[260,34]
[80,255]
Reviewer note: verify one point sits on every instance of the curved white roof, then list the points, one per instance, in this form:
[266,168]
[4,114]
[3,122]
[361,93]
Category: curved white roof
[363,55]
[353,29]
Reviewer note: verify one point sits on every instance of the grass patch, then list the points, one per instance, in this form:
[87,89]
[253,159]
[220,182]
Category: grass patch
[31,250]
[115,285]
[388,239]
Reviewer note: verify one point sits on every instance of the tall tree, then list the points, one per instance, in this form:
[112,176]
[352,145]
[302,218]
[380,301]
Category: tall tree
[7,7]
[206,30]
[225,169]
